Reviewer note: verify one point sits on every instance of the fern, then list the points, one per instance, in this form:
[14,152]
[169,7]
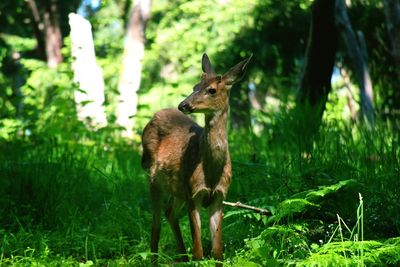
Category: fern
[354,251]
[305,200]
[374,252]
[288,245]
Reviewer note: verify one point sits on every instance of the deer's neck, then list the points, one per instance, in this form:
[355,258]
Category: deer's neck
[215,139]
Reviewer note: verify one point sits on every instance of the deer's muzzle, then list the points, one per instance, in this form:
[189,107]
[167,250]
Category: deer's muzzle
[185,107]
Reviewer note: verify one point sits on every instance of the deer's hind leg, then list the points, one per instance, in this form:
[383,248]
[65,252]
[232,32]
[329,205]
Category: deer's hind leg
[172,214]
[156,201]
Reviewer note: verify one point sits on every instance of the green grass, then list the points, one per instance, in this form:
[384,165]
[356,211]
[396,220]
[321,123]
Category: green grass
[86,202]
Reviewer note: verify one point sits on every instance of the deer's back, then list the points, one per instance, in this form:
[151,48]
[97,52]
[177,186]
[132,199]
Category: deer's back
[170,144]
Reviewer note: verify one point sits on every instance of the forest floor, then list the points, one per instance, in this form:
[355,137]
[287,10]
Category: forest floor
[86,202]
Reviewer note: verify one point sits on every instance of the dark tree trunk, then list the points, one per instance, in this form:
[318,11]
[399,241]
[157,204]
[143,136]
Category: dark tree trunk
[47,31]
[392,13]
[38,27]
[53,37]
[315,83]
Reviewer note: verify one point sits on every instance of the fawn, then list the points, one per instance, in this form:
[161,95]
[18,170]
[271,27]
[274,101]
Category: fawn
[191,164]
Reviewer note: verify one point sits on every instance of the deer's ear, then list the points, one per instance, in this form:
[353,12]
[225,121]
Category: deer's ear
[236,72]
[206,64]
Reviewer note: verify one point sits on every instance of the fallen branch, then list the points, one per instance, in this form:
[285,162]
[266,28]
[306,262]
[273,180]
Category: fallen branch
[248,207]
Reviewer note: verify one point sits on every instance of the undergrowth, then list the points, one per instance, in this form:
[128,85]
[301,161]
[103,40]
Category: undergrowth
[69,203]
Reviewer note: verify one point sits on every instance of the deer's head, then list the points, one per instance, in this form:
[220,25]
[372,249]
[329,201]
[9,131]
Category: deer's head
[211,94]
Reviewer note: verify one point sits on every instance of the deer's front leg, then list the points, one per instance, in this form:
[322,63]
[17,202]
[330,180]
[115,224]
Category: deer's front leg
[195,227]
[216,216]
[195,223]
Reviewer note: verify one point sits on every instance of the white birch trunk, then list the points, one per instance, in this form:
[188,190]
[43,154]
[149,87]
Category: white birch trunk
[89,98]
[129,82]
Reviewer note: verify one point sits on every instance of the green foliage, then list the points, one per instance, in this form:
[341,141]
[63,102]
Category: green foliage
[228,32]
[278,242]
[18,43]
[64,198]
[71,196]
[10,78]
[12,13]
[86,201]
[290,245]
[172,67]
[48,99]
[375,253]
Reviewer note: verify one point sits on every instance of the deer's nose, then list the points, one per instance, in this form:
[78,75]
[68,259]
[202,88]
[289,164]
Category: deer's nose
[185,107]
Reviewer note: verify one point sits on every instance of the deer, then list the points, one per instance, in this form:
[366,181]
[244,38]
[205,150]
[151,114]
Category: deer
[189,163]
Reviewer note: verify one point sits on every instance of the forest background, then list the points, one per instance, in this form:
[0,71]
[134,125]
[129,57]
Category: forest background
[314,127]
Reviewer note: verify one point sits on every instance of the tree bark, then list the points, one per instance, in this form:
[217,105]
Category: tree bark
[315,83]
[47,31]
[351,103]
[38,28]
[358,60]
[53,39]
[392,14]
[129,82]
[89,97]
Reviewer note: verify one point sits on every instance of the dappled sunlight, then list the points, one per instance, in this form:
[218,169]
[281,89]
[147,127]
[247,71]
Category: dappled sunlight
[311,130]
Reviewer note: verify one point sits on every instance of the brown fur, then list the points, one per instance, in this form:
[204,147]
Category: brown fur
[191,164]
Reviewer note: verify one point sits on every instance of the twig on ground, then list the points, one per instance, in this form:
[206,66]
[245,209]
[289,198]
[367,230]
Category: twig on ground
[248,207]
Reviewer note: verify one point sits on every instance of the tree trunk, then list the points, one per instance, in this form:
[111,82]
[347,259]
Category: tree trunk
[129,82]
[315,83]
[38,28]
[392,13]
[359,61]
[53,37]
[47,31]
[351,103]
[89,97]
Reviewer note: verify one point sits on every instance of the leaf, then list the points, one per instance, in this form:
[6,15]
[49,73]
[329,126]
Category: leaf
[290,206]
[324,190]
[87,263]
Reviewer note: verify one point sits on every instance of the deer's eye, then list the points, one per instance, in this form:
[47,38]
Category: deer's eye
[211,91]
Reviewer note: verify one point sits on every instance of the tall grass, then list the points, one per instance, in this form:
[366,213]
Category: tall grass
[68,202]
[72,199]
